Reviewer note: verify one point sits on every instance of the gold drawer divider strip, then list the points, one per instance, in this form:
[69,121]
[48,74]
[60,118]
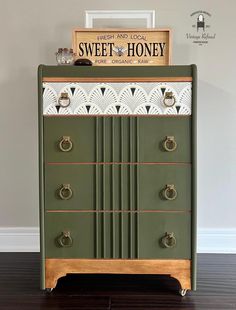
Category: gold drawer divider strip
[52,79]
[116,211]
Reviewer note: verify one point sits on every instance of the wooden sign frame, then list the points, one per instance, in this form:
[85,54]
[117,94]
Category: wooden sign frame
[118,46]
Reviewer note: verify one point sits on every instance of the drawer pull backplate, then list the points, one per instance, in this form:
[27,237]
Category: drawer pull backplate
[169,192]
[64,100]
[65,192]
[168,240]
[169,144]
[65,240]
[169,99]
[65,144]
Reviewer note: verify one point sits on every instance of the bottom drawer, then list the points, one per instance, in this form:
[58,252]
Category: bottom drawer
[118,235]
[79,244]
[91,235]
[153,242]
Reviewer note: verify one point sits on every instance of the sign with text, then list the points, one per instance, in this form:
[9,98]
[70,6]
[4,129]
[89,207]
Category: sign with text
[114,47]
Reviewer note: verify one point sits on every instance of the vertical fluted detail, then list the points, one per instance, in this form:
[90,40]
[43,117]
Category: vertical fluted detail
[113,186]
[130,188]
[103,189]
[137,187]
[128,136]
[121,187]
[96,192]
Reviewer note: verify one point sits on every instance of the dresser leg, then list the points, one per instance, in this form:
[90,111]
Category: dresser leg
[53,272]
[182,292]
[48,290]
[52,277]
[184,279]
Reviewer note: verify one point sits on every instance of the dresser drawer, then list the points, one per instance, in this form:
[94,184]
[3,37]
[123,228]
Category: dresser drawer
[110,235]
[70,187]
[116,139]
[164,139]
[164,187]
[153,241]
[117,98]
[118,187]
[91,235]
[89,187]
[81,134]
[79,243]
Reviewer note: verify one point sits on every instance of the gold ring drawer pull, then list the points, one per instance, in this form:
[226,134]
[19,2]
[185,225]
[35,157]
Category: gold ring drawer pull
[65,144]
[65,240]
[64,100]
[65,192]
[169,192]
[169,99]
[168,240]
[169,144]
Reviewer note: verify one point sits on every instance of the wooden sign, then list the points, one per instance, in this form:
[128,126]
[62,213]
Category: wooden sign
[114,47]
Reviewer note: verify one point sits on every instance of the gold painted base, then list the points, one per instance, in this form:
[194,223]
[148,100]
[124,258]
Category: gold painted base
[178,269]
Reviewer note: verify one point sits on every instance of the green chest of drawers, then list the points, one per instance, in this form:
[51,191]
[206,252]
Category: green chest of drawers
[118,171]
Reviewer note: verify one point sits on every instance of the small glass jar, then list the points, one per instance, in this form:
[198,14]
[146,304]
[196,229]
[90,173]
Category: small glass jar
[65,56]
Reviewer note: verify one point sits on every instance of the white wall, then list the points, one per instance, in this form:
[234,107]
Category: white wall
[31,31]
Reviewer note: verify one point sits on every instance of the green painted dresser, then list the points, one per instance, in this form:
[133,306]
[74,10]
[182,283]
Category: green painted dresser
[117,169]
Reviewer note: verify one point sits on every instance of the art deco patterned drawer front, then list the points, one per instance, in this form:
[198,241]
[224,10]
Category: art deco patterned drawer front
[117,171]
[115,139]
[101,187]
[117,98]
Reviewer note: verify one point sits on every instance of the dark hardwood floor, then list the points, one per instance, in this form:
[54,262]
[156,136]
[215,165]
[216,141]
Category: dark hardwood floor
[19,287]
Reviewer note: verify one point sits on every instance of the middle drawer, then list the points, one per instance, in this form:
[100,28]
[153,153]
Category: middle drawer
[118,187]
[117,139]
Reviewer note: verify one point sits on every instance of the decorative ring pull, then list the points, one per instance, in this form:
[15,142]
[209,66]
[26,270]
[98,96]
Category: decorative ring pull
[65,144]
[64,100]
[169,99]
[168,240]
[65,192]
[169,144]
[169,192]
[65,240]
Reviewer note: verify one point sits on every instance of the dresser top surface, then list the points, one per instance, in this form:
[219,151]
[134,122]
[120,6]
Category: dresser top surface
[100,71]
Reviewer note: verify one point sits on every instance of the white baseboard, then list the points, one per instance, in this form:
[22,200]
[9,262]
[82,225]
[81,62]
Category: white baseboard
[19,239]
[26,239]
[222,240]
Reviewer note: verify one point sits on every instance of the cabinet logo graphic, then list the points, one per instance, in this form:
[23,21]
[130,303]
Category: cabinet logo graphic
[201,33]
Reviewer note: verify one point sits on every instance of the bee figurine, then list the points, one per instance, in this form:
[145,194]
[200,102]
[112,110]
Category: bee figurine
[119,50]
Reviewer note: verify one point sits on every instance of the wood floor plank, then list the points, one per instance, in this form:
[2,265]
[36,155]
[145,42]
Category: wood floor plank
[19,287]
